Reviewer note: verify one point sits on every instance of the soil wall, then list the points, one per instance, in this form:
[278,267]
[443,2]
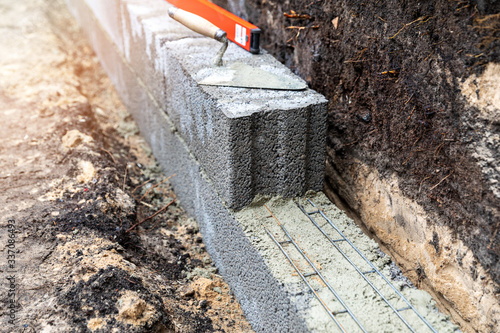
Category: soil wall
[413,130]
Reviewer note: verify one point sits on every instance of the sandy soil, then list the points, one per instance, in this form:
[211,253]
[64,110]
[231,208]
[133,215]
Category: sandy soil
[92,236]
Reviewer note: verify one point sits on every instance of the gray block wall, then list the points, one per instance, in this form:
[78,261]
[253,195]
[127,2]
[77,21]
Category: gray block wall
[248,141]
[223,149]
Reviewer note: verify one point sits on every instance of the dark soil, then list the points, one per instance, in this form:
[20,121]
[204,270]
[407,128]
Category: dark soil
[101,293]
[392,70]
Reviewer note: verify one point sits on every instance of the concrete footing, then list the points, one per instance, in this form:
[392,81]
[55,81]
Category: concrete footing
[227,147]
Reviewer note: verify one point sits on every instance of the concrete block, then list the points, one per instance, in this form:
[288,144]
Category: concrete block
[146,25]
[108,14]
[249,141]
[141,21]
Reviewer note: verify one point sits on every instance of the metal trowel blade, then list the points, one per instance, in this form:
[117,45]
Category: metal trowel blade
[244,76]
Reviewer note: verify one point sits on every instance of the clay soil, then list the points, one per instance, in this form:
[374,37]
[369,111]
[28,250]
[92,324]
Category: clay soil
[98,239]
[393,71]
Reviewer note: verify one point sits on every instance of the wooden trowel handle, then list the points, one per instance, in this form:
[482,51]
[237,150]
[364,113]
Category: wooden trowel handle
[197,23]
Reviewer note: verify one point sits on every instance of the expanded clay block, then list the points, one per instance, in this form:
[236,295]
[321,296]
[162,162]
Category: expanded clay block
[248,141]
[141,21]
[108,14]
[265,301]
[263,139]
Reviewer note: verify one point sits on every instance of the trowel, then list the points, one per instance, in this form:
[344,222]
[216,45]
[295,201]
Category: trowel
[237,74]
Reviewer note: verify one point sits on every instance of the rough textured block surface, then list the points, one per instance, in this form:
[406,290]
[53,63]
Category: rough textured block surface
[248,141]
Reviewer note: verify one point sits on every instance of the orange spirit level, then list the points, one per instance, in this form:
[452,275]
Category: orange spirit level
[241,32]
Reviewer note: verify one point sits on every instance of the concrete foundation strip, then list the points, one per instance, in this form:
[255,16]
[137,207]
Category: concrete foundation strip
[316,272]
[363,274]
[330,313]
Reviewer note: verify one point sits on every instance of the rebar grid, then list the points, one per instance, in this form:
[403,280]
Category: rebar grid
[307,283]
[316,272]
[363,274]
